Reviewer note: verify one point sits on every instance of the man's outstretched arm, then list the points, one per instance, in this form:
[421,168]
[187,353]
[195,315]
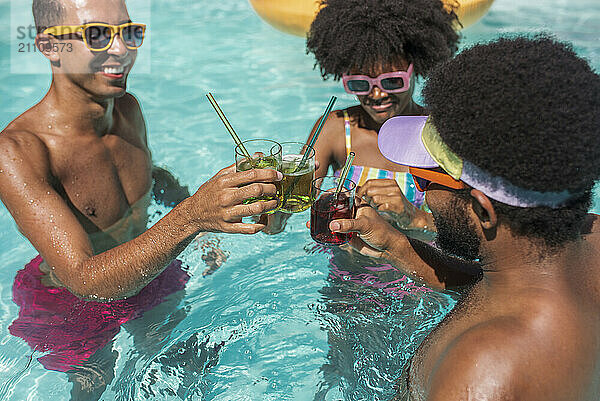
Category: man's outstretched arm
[377,238]
[44,217]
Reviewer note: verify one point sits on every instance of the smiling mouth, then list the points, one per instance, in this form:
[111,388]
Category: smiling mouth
[114,72]
[380,108]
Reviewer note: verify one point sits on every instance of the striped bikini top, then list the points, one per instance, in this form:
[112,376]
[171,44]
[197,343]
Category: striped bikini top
[361,174]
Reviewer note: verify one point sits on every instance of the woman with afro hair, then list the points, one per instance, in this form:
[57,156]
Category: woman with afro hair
[353,40]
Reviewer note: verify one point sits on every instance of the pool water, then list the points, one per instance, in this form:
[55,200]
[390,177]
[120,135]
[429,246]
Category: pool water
[281,319]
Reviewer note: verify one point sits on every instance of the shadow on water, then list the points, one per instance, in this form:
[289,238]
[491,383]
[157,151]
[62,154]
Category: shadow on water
[177,371]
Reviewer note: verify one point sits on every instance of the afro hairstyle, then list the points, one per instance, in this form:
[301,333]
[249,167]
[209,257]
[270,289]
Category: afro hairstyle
[364,34]
[527,110]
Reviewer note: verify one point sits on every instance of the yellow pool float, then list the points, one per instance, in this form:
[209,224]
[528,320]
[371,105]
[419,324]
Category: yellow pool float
[295,16]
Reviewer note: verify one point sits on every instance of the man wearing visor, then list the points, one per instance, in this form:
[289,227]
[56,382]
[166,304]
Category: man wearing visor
[508,158]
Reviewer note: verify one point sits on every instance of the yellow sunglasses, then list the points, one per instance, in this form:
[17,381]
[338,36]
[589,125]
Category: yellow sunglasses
[99,37]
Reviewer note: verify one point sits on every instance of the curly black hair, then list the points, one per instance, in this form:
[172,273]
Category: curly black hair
[528,110]
[362,34]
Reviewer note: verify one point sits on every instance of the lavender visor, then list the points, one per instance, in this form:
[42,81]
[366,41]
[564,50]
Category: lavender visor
[413,141]
[399,141]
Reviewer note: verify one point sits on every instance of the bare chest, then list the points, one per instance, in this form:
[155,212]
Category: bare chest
[101,178]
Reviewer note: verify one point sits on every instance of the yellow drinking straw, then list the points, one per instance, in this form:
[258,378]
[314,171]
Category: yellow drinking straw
[236,139]
[344,173]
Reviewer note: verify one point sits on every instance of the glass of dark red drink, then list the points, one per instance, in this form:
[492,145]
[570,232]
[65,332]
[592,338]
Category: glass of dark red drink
[327,206]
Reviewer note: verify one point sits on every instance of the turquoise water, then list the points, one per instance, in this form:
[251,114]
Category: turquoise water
[269,324]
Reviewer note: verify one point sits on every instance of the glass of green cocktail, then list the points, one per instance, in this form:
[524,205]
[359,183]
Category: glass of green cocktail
[298,173]
[264,154]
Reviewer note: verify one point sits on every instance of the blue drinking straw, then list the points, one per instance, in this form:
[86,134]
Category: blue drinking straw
[344,173]
[310,146]
[317,132]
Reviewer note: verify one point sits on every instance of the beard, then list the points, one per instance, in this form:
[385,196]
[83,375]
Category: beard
[456,232]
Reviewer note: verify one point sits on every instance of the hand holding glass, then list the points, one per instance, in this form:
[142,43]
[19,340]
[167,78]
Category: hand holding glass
[265,154]
[327,207]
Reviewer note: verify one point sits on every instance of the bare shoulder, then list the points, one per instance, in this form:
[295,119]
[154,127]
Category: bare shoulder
[20,148]
[514,358]
[331,143]
[477,365]
[334,126]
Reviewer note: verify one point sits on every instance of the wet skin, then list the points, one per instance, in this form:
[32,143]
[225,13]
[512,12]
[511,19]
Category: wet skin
[88,141]
[77,163]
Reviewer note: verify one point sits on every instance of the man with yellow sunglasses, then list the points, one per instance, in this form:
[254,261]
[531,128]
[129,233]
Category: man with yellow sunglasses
[99,37]
[76,174]
[508,157]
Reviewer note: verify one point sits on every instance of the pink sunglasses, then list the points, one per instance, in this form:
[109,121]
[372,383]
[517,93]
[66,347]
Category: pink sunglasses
[389,82]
